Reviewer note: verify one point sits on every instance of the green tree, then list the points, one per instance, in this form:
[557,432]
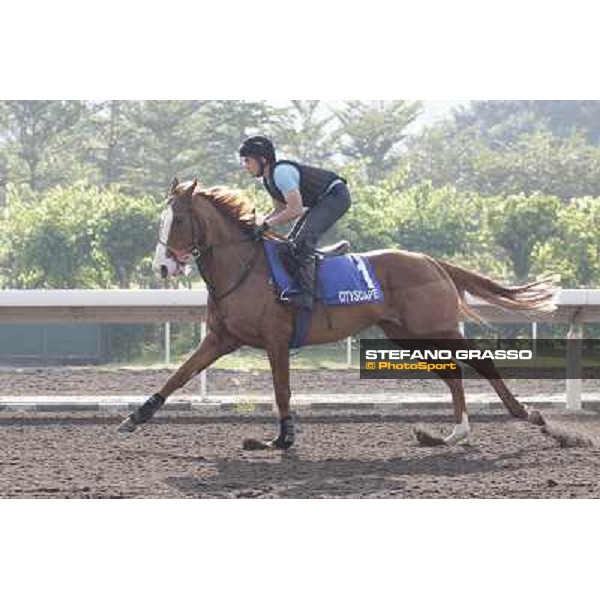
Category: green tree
[373,132]
[575,252]
[111,140]
[124,236]
[504,121]
[520,224]
[225,124]
[536,162]
[46,243]
[74,237]
[308,132]
[439,221]
[40,142]
[544,163]
[160,139]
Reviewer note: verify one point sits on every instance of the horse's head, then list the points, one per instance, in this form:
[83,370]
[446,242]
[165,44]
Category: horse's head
[196,220]
[179,233]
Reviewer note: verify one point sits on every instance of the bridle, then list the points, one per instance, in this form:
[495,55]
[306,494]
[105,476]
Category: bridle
[200,252]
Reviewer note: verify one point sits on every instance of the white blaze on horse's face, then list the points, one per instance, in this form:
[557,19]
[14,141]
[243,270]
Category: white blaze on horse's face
[164,265]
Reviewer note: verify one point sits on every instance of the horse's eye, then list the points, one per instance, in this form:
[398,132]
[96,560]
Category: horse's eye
[178,220]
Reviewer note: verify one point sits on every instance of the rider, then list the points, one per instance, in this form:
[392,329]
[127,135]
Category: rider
[319,197]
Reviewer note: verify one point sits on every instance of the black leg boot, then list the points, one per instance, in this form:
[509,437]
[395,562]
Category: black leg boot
[142,414]
[287,435]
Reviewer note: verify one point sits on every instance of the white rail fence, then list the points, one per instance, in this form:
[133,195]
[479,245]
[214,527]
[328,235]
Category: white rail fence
[575,307]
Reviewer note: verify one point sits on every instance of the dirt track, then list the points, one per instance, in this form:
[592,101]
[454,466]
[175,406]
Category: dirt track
[90,381]
[338,455]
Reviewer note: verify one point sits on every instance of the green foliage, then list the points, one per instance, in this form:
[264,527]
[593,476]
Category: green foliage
[522,223]
[162,139]
[225,124]
[575,251]
[372,218]
[76,237]
[124,234]
[440,220]
[307,132]
[373,131]
[41,141]
[504,121]
[481,188]
[512,153]
[544,163]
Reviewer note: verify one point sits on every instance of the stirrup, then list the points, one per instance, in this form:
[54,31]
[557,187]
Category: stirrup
[336,249]
[292,301]
[285,300]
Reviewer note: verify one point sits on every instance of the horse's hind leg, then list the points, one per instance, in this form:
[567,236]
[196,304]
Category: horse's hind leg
[451,377]
[486,368]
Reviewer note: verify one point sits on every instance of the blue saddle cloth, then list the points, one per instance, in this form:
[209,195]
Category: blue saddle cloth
[341,280]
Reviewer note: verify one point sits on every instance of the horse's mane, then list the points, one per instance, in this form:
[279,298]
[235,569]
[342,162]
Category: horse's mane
[233,204]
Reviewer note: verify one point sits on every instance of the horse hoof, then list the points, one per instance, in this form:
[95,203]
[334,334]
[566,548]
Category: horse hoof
[535,417]
[127,426]
[276,444]
[279,444]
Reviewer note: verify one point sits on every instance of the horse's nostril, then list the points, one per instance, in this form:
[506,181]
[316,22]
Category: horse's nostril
[164,272]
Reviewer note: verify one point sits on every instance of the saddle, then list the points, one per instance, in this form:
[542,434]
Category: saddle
[341,279]
[336,249]
[285,254]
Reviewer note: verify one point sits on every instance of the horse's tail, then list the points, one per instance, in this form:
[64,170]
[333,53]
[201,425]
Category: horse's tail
[538,295]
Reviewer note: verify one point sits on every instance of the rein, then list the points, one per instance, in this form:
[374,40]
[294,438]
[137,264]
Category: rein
[199,256]
[200,253]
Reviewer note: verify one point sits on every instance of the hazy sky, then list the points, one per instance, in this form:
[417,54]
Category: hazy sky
[436,109]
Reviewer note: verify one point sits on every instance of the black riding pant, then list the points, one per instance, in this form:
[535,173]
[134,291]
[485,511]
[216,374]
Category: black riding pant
[318,219]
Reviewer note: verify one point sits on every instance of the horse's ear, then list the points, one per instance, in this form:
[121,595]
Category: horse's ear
[174,184]
[192,187]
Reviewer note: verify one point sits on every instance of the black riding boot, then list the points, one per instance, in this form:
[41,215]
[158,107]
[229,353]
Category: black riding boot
[306,280]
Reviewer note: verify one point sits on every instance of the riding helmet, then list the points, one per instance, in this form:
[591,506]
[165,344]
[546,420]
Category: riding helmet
[258,145]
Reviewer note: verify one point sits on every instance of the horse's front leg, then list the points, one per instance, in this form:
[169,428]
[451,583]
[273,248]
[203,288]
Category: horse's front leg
[212,347]
[279,359]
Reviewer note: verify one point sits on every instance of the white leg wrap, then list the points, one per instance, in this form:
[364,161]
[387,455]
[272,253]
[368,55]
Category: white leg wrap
[460,432]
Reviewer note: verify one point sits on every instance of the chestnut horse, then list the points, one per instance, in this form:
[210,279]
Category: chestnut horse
[423,301]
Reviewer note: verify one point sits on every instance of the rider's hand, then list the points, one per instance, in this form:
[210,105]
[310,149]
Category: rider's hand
[260,230]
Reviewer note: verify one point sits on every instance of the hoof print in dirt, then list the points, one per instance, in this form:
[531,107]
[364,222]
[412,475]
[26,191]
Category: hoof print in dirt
[426,437]
[567,438]
[251,444]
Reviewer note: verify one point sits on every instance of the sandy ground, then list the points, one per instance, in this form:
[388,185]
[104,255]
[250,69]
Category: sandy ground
[90,381]
[338,455]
